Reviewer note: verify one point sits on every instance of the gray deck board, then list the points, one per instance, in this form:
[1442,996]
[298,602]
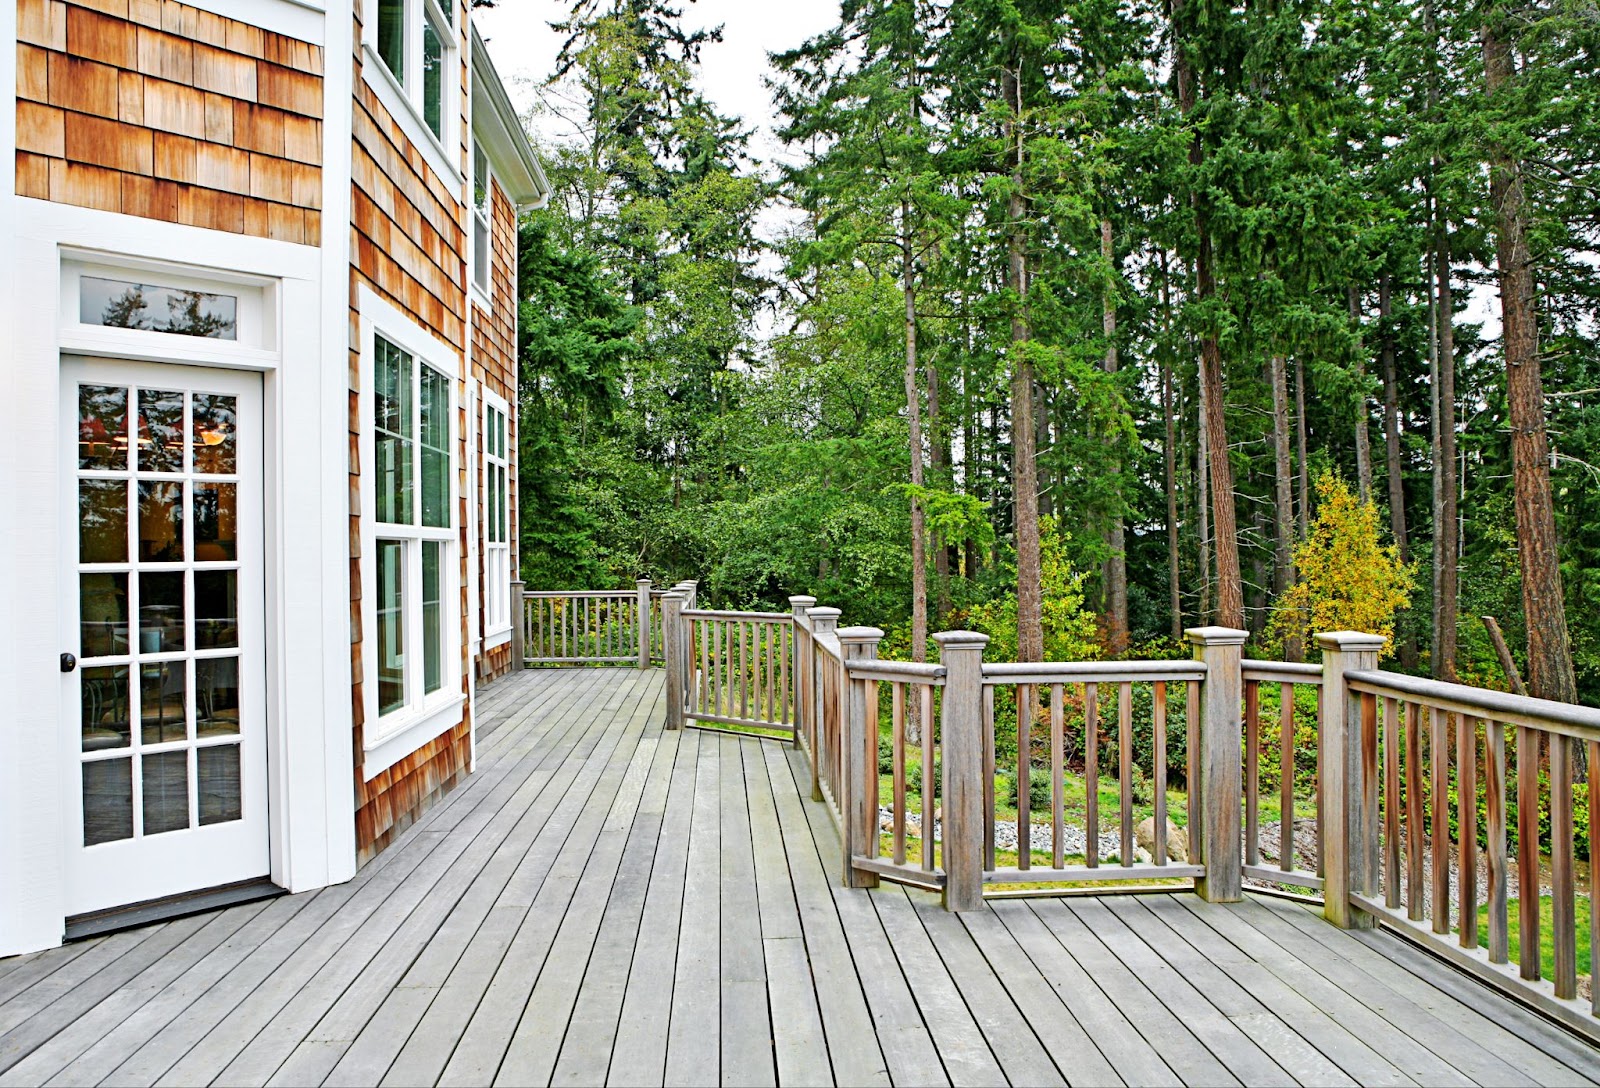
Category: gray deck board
[604,901]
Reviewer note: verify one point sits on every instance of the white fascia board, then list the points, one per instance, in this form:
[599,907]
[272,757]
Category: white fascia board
[499,129]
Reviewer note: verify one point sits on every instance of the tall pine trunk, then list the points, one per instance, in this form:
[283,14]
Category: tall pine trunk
[919,555]
[1550,674]
[1446,529]
[1393,466]
[1169,455]
[1362,419]
[1283,497]
[1303,518]
[1116,572]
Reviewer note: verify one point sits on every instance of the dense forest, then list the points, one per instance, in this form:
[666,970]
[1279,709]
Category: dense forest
[1099,320]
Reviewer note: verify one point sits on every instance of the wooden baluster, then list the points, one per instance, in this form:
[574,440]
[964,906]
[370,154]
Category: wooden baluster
[1024,776]
[1191,745]
[1321,775]
[1494,794]
[1391,804]
[1286,777]
[1439,763]
[988,776]
[898,704]
[785,650]
[1091,774]
[1467,828]
[1158,755]
[769,712]
[1058,801]
[1252,772]
[1563,927]
[1528,851]
[1125,769]
[1414,829]
[929,777]
[705,668]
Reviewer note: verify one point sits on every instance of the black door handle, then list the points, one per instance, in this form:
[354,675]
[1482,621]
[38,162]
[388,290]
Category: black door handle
[68,662]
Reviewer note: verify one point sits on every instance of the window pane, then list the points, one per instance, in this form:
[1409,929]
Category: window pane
[160,431]
[126,305]
[161,523]
[216,696]
[435,430]
[102,426]
[480,251]
[163,702]
[102,521]
[391,626]
[104,696]
[107,801]
[392,403]
[216,418]
[103,614]
[392,36]
[432,79]
[216,609]
[432,633]
[166,791]
[480,177]
[160,612]
[218,774]
[216,523]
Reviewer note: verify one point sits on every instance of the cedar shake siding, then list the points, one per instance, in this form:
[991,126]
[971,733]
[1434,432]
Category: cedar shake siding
[156,109]
[408,245]
[494,362]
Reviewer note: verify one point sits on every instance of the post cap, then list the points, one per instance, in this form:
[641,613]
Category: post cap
[961,640]
[802,601]
[642,581]
[1349,641]
[1216,636]
[860,634]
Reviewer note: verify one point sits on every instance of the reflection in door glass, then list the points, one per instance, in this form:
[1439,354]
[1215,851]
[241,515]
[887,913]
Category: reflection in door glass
[160,612]
[102,427]
[216,609]
[104,692]
[163,702]
[216,523]
[215,421]
[107,800]
[160,523]
[220,795]
[216,696]
[165,778]
[160,431]
[102,614]
[102,521]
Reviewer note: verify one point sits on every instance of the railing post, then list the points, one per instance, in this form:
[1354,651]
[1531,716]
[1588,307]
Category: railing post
[960,740]
[800,675]
[860,740]
[519,619]
[642,614]
[824,621]
[1217,766]
[1350,792]
[671,637]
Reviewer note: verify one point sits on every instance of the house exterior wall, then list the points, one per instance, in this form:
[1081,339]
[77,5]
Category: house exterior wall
[494,363]
[157,109]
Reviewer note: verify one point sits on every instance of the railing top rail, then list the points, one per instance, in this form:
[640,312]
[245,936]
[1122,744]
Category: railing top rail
[828,643]
[1296,672]
[1543,714]
[547,594]
[912,672]
[1090,672]
[744,617]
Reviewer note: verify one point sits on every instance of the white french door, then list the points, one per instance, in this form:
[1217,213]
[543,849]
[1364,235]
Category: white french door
[165,704]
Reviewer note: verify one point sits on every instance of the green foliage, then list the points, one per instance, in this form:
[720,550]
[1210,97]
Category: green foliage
[1069,627]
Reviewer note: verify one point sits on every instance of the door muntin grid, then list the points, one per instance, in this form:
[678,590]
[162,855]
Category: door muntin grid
[158,579]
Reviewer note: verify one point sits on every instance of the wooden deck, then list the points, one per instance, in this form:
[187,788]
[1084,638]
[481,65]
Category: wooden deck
[606,901]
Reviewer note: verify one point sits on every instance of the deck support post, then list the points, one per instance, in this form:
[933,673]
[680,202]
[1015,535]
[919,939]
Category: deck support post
[960,741]
[800,674]
[675,655]
[1217,767]
[642,610]
[824,623]
[860,742]
[1350,784]
[519,620]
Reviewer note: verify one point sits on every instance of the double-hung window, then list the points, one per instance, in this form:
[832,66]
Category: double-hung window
[482,238]
[416,40]
[415,535]
[497,526]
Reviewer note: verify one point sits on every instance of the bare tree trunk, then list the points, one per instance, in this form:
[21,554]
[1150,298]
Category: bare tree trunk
[1283,497]
[1024,480]
[939,462]
[919,557]
[1169,454]
[1116,572]
[1446,536]
[1393,466]
[1304,524]
[1550,674]
[1363,419]
[1202,496]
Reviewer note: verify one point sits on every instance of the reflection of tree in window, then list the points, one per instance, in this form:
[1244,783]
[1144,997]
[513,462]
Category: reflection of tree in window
[126,311]
[138,305]
[191,314]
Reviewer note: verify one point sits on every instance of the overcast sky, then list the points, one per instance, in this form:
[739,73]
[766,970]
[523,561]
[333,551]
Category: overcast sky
[524,49]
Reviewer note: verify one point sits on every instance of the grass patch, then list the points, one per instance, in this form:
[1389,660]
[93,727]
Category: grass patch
[1547,948]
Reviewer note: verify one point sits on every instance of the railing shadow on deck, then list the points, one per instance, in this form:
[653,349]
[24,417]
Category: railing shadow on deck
[1400,770]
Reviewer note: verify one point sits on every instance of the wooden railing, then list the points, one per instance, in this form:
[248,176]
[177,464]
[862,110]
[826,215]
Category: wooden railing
[1295,866]
[591,627]
[740,664]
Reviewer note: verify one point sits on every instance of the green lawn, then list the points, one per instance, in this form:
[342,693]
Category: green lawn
[1547,953]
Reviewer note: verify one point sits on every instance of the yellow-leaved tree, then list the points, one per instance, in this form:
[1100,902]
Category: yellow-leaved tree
[1347,578]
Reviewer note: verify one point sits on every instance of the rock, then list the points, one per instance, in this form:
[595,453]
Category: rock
[1177,839]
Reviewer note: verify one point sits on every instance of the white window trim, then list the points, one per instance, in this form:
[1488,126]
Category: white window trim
[484,292]
[405,103]
[500,633]
[402,732]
